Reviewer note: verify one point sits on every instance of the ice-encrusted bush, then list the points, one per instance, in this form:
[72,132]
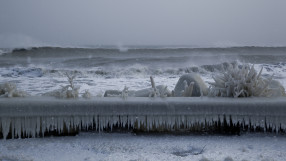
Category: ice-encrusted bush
[124,93]
[164,92]
[86,94]
[68,91]
[154,92]
[241,82]
[10,90]
[190,85]
[187,92]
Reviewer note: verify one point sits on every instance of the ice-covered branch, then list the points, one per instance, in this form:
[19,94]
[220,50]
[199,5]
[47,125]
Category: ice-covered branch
[124,93]
[153,92]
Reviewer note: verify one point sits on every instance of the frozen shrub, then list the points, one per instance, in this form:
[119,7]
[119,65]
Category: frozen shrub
[190,85]
[154,92]
[124,93]
[86,94]
[10,90]
[68,91]
[164,92]
[188,89]
[241,82]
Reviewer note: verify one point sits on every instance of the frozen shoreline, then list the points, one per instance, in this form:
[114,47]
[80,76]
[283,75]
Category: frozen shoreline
[106,146]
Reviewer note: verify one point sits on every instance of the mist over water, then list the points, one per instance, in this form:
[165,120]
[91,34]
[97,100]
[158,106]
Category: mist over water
[40,70]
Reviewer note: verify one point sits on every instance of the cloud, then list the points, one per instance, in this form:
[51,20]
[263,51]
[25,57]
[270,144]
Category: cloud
[148,22]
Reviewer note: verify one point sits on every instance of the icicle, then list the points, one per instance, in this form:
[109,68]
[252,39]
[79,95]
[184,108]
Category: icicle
[149,120]
[17,126]
[38,126]
[12,128]
[96,122]
[139,123]
[33,125]
[43,121]
[27,127]
[276,125]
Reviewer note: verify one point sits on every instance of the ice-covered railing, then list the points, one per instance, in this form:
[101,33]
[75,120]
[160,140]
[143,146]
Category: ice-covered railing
[31,117]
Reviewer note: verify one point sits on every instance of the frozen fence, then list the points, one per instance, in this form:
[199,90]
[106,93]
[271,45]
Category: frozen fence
[31,117]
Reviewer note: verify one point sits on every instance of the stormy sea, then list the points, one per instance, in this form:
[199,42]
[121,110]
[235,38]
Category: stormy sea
[39,70]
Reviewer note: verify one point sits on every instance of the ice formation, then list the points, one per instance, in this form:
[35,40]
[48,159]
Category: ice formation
[243,82]
[199,87]
[31,117]
[188,89]
[68,91]
[86,94]
[10,90]
[124,93]
[162,90]
[154,91]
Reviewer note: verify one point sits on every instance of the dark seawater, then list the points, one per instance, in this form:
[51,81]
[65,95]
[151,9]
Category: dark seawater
[39,70]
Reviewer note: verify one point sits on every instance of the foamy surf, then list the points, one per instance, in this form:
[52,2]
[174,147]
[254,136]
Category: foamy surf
[41,70]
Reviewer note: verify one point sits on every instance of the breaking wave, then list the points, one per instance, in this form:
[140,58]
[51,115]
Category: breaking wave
[132,70]
[109,67]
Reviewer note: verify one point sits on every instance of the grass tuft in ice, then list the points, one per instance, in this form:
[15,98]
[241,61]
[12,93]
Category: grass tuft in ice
[188,89]
[164,92]
[68,91]
[241,82]
[161,91]
[124,93]
[10,90]
[153,92]
[86,94]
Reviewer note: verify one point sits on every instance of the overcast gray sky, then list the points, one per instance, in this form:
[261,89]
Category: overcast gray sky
[143,22]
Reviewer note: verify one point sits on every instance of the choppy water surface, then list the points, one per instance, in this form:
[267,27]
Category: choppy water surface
[40,70]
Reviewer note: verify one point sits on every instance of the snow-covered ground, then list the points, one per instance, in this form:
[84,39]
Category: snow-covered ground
[127,146]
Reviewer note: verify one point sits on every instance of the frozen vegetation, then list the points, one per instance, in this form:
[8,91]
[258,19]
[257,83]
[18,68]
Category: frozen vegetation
[68,91]
[244,82]
[160,91]
[190,85]
[154,91]
[10,90]
[235,81]
[87,94]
